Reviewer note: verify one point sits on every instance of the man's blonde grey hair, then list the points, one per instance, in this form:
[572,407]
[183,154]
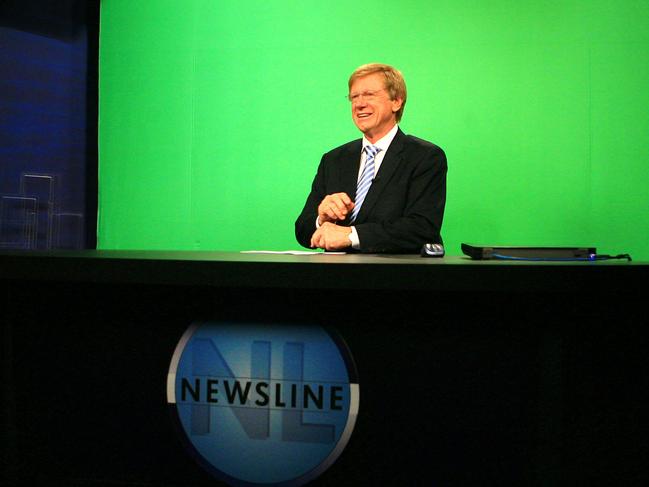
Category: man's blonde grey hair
[394,82]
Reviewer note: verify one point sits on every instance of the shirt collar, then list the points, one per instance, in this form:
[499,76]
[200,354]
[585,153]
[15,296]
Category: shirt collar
[384,142]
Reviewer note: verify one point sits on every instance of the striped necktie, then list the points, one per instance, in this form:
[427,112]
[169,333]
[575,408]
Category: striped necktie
[366,179]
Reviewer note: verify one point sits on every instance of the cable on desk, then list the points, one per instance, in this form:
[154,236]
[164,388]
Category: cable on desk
[590,258]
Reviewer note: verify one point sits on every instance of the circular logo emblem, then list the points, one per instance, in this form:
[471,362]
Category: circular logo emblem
[263,404]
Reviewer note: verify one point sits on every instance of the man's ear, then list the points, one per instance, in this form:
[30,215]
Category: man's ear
[396,105]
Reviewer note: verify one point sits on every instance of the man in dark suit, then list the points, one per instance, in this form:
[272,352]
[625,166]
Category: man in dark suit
[382,193]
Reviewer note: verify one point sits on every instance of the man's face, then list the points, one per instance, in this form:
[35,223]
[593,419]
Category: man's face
[372,110]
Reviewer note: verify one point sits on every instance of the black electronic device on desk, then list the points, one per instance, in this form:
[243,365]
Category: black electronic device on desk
[485,252]
[548,254]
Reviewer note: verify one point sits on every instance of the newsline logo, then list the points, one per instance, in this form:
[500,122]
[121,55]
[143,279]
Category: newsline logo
[263,404]
[255,393]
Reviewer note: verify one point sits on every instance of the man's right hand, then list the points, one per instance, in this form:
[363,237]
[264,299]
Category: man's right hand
[334,207]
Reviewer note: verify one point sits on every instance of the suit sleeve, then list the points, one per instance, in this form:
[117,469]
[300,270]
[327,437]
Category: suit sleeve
[305,223]
[420,221]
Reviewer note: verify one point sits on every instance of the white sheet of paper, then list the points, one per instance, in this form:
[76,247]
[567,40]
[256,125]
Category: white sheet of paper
[291,252]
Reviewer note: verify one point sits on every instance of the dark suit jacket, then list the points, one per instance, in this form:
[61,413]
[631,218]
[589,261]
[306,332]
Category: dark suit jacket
[405,204]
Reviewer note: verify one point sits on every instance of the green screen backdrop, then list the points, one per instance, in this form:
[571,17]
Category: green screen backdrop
[214,116]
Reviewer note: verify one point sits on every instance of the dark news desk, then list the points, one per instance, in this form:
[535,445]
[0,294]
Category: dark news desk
[470,373]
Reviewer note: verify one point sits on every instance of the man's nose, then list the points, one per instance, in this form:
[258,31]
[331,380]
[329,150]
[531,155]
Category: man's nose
[360,101]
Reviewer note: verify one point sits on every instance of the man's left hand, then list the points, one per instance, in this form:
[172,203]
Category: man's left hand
[331,237]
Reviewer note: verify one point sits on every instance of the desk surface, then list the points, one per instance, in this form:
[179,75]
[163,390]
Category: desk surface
[320,271]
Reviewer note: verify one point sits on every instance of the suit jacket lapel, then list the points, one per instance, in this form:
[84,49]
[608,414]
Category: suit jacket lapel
[390,163]
[349,170]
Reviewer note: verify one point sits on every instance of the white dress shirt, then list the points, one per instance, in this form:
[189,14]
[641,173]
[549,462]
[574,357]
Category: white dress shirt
[383,143]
